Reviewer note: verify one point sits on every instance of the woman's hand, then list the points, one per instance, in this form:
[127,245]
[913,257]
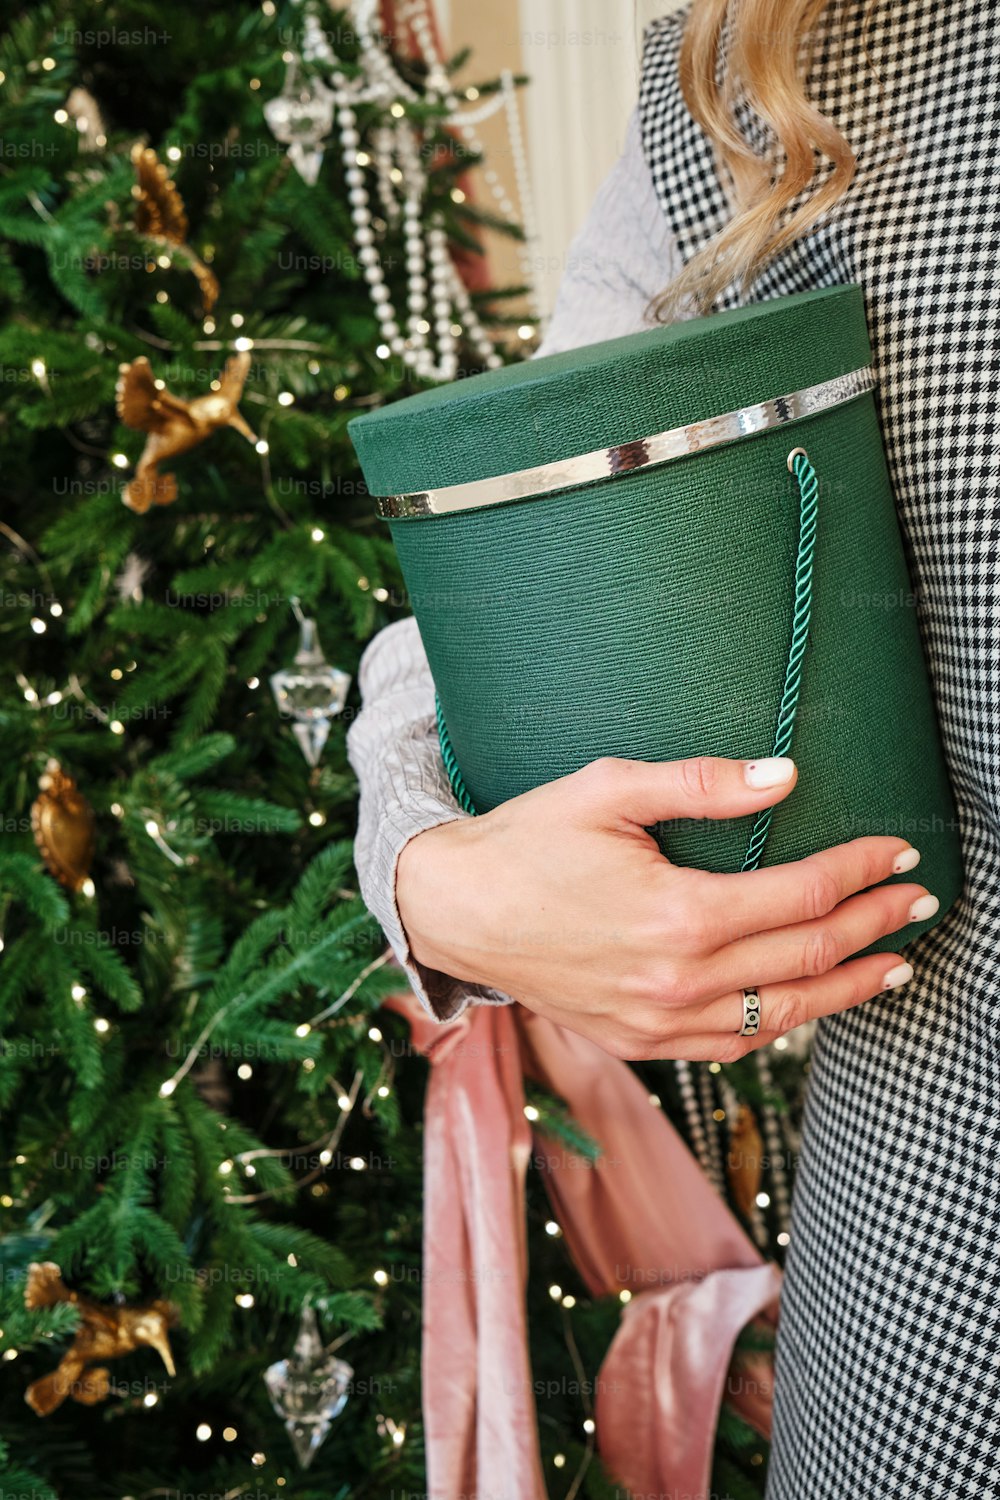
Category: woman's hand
[560,899]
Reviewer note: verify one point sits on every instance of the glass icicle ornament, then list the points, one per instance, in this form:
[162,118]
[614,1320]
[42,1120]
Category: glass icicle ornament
[300,118]
[310,691]
[308,1389]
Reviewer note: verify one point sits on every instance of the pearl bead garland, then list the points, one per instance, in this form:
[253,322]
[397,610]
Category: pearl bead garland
[709,1156]
[438,306]
[779,1144]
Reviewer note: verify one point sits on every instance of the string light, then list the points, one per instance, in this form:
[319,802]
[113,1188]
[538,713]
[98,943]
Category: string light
[203,1432]
[154,831]
[380,1278]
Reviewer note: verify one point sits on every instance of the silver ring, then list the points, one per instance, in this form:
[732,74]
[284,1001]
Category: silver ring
[751,1013]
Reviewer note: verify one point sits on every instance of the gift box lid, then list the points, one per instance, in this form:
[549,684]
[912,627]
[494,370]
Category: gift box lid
[545,409]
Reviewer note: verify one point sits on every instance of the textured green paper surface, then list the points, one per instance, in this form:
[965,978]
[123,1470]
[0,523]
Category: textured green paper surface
[649,616]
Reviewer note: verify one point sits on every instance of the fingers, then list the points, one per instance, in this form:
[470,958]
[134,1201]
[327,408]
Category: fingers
[813,948]
[714,1034]
[640,793]
[785,1005]
[780,895]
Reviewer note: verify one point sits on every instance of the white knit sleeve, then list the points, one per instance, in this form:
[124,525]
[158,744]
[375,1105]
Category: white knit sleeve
[393,747]
[617,262]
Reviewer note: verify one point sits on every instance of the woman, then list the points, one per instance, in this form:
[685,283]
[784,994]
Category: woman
[839,140]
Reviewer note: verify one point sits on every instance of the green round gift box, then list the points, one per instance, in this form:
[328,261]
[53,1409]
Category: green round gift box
[649,616]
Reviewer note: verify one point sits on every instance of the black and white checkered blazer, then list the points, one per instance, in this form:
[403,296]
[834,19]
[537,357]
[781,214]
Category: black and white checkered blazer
[889,1346]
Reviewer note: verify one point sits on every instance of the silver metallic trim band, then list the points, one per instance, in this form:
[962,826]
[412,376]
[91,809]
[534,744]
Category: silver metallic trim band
[751,1014]
[608,463]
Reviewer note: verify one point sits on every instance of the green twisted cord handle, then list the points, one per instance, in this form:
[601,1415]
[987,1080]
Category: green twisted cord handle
[808,483]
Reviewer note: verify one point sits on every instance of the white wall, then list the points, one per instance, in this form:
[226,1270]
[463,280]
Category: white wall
[582,57]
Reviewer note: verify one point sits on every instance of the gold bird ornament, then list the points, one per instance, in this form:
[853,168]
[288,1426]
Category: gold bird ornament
[159,216]
[62,822]
[103,1333]
[174,425]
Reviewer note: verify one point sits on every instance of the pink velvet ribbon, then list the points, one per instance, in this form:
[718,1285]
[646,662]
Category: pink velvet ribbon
[643,1217]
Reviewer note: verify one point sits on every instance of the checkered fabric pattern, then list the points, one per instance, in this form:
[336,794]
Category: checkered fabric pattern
[889,1345]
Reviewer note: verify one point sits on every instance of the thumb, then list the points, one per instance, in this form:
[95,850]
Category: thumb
[705,786]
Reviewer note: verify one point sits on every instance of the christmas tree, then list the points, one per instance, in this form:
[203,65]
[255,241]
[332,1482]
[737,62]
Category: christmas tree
[211,1157]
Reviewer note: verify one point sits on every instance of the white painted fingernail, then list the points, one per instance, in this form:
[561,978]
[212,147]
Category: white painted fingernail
[901,974]
[908,860]
[774,771]
[923,908]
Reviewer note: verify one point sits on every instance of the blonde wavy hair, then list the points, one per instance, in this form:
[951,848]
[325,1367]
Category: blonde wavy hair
[768,56]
